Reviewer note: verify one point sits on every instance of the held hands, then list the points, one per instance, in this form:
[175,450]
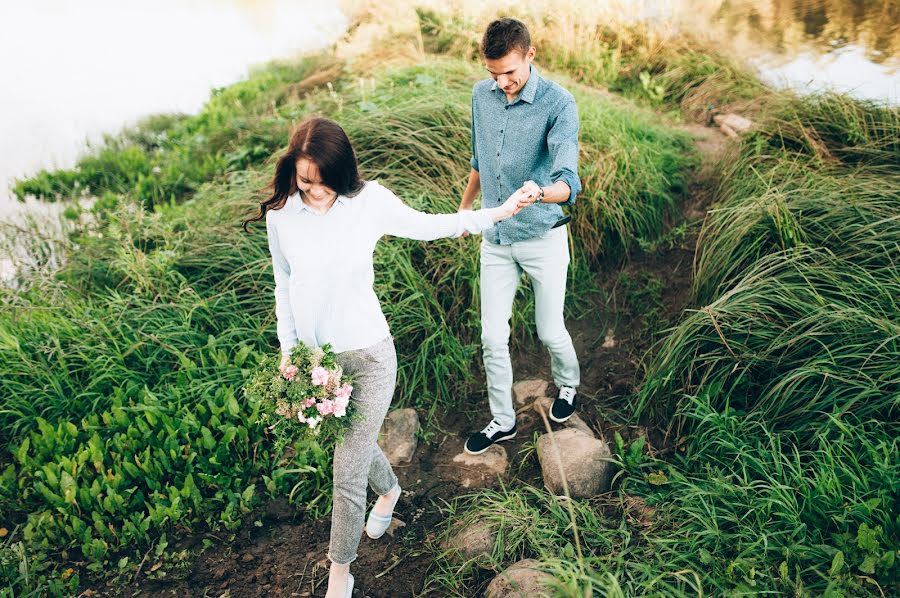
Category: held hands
[523,197]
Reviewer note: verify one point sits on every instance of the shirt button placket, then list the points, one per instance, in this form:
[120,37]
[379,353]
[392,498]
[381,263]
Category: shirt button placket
[502,142]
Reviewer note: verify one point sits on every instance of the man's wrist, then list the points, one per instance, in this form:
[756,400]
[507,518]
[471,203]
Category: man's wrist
[540,197]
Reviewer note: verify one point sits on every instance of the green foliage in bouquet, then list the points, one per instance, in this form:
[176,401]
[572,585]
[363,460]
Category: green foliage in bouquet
[308,397]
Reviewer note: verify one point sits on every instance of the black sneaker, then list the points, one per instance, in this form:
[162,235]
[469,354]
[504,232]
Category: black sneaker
[482,441]
[564,406]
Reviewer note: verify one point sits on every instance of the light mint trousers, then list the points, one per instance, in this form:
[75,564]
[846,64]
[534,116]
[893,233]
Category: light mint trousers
[358,460]
[546,262]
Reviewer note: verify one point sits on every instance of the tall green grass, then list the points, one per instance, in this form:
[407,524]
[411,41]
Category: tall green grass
[802,338]
[817,172]
[681,71]
[120,375]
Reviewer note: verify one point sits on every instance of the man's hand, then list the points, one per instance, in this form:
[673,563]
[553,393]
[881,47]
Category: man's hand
[285,361]
[532,191]
[515,202]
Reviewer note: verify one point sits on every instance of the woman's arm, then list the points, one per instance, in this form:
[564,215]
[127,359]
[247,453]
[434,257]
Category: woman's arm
[400,220]
[287,332]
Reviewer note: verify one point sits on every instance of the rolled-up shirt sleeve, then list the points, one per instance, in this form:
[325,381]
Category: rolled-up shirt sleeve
[474,160]
[281,268]
[562,140]
[400,220]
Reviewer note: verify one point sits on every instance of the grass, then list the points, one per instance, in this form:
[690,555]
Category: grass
[121,375]
[780,389]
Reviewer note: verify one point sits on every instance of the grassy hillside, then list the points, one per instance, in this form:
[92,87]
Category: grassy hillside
[123,419]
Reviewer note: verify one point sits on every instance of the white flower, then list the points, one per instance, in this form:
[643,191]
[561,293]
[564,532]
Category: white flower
[315,360]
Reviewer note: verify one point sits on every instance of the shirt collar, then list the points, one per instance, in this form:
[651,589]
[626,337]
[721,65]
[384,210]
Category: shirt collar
[529,91]
[299,206]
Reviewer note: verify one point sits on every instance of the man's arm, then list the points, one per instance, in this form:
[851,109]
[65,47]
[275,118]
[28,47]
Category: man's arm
[472,189]
[558,192]
[562,140]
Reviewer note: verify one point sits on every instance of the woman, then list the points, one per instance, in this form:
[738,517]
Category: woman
[323,222]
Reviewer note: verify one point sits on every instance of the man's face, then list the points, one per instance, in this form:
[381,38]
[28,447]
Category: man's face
[511,71]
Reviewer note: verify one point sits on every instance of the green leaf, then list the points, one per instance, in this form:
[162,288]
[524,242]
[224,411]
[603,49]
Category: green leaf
[868,564]
[837,563]
[232,405]
[68,487]
[657,478]
[22,453]
[866,538]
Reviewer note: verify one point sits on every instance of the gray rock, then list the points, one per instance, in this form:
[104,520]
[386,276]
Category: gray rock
[474,541]
[585,461]
[528,389]
[479,469]
[521,580]
[398,435]
[575,422]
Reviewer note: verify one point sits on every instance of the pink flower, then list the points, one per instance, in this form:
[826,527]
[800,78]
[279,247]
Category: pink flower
[343,393]
[300,418]
[339,410]
[310,402]
[319,376]
[290,372]
[326,407]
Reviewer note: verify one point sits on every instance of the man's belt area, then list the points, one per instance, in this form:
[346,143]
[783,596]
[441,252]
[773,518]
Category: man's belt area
[561,221]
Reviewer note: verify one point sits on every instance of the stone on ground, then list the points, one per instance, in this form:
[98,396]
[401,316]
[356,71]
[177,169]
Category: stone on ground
[521,580]
[733,124]
[525,390]
[474,541]
[398,435]
[575,422]
[477,470]
[585,462]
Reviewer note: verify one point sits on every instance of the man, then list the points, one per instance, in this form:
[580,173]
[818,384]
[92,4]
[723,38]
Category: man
[524,128]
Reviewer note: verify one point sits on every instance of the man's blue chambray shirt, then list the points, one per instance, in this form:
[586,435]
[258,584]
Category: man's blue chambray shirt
[534,138]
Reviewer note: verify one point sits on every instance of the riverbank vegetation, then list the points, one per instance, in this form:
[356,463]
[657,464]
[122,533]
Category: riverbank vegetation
[123,418]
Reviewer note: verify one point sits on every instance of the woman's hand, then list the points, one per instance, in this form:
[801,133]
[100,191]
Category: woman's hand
[285,361]
[514,203]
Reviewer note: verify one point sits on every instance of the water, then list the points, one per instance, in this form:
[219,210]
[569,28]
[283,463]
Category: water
[75,70]
[72,71]
[852,46]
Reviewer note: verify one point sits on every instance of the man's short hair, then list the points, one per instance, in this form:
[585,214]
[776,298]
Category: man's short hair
[503,36]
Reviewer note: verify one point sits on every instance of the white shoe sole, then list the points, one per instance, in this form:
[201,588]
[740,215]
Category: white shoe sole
[466,448]
[559,421]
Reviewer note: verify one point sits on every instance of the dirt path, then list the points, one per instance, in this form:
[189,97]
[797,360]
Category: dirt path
[285,557]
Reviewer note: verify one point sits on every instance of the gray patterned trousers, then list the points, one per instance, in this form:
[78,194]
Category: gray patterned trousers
[358,459]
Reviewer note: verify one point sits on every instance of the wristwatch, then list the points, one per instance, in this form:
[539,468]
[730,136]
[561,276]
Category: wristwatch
[540,198]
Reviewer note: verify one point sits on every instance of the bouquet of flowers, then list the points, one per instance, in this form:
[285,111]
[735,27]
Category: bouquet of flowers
[309,396]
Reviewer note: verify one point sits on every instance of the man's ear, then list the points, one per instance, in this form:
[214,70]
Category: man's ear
[530,55]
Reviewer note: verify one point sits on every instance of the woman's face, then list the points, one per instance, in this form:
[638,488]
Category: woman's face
[310,182]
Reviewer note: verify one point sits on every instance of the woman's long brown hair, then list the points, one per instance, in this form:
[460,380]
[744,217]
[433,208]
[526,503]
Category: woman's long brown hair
[323,142]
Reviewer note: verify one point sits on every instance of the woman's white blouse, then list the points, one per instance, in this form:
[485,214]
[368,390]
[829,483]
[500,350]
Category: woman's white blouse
[323,263]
